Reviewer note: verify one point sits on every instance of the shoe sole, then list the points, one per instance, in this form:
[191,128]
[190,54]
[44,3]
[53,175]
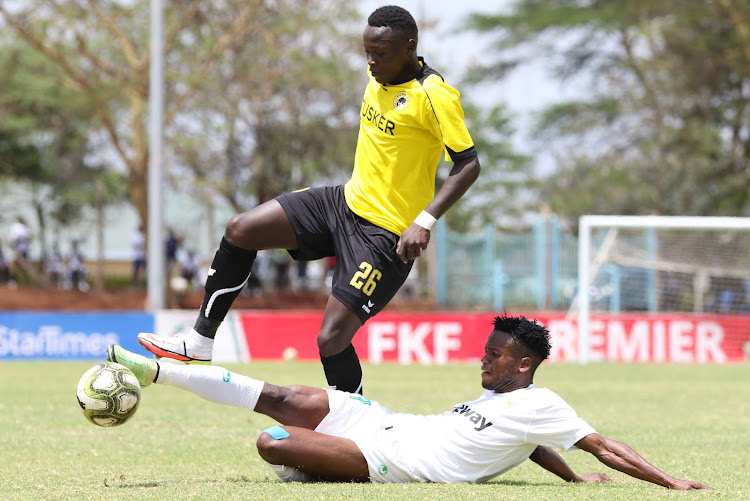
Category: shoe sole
[160,352]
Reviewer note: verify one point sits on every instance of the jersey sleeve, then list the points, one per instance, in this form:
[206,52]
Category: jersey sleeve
[560,429]
[446,106]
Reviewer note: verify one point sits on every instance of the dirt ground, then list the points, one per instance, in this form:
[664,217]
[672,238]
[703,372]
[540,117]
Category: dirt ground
[40,299]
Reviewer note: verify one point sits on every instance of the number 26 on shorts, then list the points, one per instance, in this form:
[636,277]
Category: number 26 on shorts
[366,278]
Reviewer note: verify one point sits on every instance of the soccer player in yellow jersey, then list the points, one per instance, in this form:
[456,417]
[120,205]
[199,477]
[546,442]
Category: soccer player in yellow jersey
[375,225]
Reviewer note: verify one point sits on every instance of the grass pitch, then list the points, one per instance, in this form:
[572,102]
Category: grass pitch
[693,421]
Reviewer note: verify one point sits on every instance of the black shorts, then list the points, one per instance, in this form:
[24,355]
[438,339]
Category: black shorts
[368,272]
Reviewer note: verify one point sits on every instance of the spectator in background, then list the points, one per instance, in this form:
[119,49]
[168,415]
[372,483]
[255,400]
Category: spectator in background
[281,264]
[54,267]
[173,243]
[77,269]
[190,264]
[20,238]
[4,267]
[302,275]
[138,244]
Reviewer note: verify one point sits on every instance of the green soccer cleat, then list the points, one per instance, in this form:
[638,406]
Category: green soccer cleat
[145,369]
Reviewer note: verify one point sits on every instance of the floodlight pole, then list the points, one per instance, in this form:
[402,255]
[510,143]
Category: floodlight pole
[155,270]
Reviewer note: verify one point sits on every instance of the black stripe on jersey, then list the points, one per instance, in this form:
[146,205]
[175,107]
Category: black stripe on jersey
[426,71]
[471,152]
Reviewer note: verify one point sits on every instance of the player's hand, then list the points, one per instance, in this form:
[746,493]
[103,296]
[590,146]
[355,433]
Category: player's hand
[684,485]
[593,478]
[412,242]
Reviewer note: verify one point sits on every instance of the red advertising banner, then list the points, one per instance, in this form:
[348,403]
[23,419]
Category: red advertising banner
[441,337]
[676,338]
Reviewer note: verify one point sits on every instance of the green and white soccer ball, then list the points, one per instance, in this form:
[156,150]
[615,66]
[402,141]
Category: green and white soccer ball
[109,394]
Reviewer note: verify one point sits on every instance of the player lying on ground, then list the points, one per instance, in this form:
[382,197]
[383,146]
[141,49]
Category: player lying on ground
[337,436]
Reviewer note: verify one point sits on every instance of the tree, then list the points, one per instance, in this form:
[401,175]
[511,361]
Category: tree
[44,140]
[102,47]
[664,127]
[283,112]
[497,196]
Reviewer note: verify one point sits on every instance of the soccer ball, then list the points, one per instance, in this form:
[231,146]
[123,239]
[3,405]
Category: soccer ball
[109,394]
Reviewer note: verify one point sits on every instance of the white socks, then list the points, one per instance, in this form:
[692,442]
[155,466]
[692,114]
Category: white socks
[290,474]
[212,383]
[196,340]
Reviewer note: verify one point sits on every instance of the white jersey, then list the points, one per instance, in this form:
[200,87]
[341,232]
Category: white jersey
[473,442]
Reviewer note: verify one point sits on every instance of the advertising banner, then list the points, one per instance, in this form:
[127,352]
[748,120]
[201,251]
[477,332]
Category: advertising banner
[64,336]
[436,338]
[641,337]
[406,338]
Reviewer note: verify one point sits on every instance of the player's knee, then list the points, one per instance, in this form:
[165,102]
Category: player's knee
[335,338]
[270,448]
[324,340]
[331,343]
[236,228]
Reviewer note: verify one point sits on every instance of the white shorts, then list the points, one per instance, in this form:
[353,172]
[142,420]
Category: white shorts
[367,424]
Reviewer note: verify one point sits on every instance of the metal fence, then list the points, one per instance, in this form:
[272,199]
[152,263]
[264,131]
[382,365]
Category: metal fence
[498,270]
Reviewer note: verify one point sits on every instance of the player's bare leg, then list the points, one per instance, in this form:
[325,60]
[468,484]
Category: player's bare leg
[263,227]
[324,457]
[296,446]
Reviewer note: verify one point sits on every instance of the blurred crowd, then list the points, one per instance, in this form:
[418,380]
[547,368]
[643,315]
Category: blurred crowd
[64,267]
[64,270]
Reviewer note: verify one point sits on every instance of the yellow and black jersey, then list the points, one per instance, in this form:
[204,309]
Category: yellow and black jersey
[403,131]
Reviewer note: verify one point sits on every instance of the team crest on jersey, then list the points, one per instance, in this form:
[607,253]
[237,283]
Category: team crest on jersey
[401,101]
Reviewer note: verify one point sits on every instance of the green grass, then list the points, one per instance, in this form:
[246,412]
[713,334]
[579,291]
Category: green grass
[693,421]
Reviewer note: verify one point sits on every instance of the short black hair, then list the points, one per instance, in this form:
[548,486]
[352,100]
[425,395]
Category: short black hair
[530,334]
[394,17]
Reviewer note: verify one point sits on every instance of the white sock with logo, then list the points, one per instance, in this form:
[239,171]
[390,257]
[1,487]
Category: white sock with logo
[212,383]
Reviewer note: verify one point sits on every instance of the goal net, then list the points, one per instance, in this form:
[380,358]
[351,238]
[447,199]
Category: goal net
[661,265]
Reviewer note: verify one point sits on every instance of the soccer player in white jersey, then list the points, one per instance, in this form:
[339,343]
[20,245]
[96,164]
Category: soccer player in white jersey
[332,435]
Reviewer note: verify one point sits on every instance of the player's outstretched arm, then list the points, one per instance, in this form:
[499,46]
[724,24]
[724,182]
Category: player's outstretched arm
[552,462]
[622,457]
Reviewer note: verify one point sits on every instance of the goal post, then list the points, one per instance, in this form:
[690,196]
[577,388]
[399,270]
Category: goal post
[660,264]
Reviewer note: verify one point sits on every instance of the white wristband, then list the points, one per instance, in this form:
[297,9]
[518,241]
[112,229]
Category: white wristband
[425,220]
